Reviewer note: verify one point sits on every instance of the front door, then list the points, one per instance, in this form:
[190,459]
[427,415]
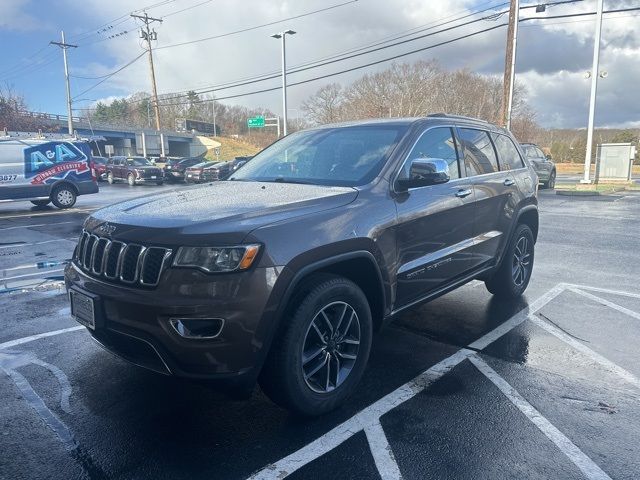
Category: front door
[434,232]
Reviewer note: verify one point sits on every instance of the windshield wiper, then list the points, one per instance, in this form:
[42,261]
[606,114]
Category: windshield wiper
[291,180]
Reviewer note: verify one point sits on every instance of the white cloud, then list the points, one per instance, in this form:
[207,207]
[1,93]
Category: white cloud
[14,17]
[552,56]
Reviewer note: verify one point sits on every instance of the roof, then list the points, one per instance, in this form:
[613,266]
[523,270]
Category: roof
[408,121]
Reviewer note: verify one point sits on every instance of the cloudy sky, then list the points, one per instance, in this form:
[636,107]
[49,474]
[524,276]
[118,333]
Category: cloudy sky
[553,54]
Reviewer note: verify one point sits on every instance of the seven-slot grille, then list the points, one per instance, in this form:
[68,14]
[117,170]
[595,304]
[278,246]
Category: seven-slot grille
[128,263]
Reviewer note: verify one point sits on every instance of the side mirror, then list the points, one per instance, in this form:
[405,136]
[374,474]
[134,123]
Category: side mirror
[548,157]
[424,172]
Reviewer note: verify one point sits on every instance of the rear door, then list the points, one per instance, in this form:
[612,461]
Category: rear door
[495,189]
[435,223]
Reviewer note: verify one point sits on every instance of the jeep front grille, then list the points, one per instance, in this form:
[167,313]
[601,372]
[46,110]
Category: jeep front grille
[129,263]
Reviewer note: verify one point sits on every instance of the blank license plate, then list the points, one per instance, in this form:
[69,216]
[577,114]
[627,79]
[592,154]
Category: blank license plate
[83,309]
[153,177]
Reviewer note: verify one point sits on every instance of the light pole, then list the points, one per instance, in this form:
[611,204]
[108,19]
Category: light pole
[282,36]
[594,88]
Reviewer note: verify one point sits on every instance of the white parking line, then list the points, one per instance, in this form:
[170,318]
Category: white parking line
[370,416]
[48,214]
[33,226]
[31,338]
[18,245]
[566,446]
[382,453]
[582,348]
[607,303]
[602,290]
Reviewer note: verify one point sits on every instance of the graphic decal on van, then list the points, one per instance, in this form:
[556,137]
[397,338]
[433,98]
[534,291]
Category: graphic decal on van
[54,161]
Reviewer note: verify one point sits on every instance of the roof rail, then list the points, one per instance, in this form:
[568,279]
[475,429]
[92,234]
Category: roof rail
[460,117]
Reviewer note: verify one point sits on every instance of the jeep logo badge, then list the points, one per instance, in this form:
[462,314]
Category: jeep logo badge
[107,228]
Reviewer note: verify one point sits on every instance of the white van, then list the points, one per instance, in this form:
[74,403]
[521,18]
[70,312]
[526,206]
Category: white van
[45,170]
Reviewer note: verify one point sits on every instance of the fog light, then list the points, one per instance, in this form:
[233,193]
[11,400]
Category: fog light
[197,328]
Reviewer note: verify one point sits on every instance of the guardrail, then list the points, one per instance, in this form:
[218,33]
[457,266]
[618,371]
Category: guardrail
[48,116]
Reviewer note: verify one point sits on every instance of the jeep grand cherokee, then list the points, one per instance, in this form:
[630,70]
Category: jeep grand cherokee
[282,273]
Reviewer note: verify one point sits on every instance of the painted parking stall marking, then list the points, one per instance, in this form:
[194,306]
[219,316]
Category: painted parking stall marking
[368,420]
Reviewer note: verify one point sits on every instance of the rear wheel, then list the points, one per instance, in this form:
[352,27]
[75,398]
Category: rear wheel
[41,203]
[551,183]
[63,196]
[110,178]
[318,358]
[512,278]
[131,180]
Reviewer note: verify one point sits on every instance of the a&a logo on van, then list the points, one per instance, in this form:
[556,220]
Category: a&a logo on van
[54,160]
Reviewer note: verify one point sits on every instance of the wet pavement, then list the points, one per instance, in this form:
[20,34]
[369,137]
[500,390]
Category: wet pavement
[463,387]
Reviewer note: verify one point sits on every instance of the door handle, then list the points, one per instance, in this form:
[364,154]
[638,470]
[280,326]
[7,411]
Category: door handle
[508,182]
[463,193]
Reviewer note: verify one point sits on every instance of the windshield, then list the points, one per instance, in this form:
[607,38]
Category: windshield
[138,162]
[345,156]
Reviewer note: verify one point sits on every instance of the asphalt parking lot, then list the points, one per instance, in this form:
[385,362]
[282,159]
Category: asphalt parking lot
[463,387]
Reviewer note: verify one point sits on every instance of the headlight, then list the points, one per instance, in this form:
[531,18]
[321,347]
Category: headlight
[217,259]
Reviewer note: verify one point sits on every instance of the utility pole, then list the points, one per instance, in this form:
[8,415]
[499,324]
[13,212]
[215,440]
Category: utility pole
[594,87]
[282,36]
[213,108]
[64,47]
[510,64]
[148,34]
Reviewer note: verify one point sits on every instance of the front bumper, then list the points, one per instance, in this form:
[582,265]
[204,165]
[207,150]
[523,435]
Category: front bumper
[135,321]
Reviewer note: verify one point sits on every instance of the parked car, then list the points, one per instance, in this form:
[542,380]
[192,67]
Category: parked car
[237,162]
[542,164]
[99,165]
[283,273]
[217,171]
[45,170]
[134,170]
[194,174]
[175,172]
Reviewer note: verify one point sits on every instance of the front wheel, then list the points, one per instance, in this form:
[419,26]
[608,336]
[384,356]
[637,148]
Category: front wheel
[131,180]
[512,277]
[63,196]
[319,356]
[159,183]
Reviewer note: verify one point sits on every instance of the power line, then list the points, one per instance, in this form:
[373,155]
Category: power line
[386,59]
[257,26]
[107,77]
[187,8]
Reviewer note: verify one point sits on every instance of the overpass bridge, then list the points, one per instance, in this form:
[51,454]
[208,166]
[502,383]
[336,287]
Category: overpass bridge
[124,140]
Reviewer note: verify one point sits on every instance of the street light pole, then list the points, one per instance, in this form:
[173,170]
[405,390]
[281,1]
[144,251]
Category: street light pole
[282,36]
[594,88]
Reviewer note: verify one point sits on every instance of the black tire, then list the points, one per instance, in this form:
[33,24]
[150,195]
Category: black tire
[551,183]
[283,377]
[110,178]
[63,196]
[506,282]
[159,183]
[131,180]
[41,203]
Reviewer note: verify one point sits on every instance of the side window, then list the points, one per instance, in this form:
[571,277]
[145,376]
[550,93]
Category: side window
[479,155]
[510,158]
[434,143]
[540,153]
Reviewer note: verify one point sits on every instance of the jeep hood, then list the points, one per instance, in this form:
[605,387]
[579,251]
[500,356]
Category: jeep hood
[222,211]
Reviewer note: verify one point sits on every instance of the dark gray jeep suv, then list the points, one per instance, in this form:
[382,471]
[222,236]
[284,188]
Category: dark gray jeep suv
[282,273]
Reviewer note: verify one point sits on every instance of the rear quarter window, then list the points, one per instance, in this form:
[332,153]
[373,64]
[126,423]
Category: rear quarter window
[509,155]
[479,155]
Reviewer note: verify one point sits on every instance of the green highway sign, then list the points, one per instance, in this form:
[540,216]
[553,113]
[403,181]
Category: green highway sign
[255,122]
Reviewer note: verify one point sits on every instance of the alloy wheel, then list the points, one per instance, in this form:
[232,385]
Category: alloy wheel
[521,265]
[330,347]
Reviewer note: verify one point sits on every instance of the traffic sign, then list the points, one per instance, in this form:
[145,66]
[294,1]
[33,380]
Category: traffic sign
[255,122]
